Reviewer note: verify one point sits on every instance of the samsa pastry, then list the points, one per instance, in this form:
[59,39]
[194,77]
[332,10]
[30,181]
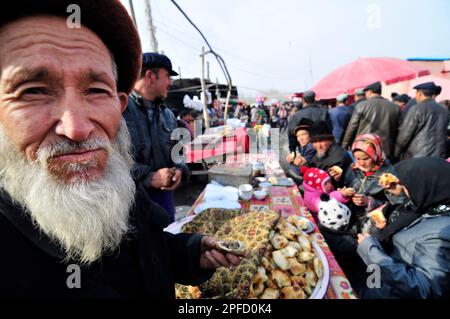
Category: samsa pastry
[293,292]
[377,216]
[386,179]
[280,278]
[231,246]
[270,293]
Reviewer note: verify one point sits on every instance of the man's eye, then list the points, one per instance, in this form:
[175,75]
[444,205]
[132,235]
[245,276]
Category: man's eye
[35,91]
[97,91]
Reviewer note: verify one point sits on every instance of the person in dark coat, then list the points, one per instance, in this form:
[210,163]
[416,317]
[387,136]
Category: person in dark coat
[419,229]
[360,96]
[73,223]
[151,124]
[424,129]
[311,111]
[328,152]
[375,115]
[340,116]
[304,152]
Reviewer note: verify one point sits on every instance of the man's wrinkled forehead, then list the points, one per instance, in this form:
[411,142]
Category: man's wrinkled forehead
[46,32]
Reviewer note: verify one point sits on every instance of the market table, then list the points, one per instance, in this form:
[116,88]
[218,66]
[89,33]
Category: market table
[205,147]
[289,201]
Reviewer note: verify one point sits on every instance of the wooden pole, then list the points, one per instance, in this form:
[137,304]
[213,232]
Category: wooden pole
[132,12]
[151,28]
[205,101]
[225,114]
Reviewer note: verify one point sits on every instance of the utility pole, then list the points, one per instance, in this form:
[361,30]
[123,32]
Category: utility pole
[130,2]
[207,71]
[151,28]
[217,89]
[204,97]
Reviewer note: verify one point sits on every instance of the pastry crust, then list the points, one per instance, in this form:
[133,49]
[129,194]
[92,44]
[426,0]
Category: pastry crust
[386,179]
[231,246]
[377,216]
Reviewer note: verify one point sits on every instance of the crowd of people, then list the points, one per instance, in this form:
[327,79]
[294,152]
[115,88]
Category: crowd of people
[87,179]
[339,157]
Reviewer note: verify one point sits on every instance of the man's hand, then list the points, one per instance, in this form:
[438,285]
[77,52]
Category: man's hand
[290,157]
[360,200]
[347,191]
[176,180]
[299,161]
[335,173]
[211,258]
[162,178]
[362,237]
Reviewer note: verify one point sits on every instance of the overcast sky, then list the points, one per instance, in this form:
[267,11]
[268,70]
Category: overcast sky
[289,45]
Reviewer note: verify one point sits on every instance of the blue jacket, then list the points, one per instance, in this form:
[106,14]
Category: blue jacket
[150,124]
[418,267]
[340,116]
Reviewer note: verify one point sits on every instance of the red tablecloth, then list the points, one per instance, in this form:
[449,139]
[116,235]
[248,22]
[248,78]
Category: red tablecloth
[289,201]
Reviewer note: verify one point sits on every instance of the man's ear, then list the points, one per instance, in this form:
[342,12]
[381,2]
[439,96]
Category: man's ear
[123,100]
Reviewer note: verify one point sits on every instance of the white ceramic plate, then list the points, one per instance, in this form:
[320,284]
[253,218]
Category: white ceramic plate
[175,227]
[322,284]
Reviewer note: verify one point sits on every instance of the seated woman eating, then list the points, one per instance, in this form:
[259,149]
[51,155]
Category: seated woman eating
[362,179]
[419,229]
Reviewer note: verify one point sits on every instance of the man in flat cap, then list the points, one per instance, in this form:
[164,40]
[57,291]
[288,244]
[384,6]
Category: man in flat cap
[340,116]
[310,111]
[423,132]
[375,115]
[73,224]
[151,124]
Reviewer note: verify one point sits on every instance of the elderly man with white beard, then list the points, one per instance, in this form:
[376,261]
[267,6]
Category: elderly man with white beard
[72,223]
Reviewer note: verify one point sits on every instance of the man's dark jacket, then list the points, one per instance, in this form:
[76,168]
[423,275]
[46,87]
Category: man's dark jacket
[150,124]
[375,115]
[146,265]
[335,155]
[423,131]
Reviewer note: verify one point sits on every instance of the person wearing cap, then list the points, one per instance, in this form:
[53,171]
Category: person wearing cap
[424,129]
[328,153]
[360,96]
[413,102]
[340,116]
[311,111]
[73,223]
[304,151]
[375,115]
[151,124]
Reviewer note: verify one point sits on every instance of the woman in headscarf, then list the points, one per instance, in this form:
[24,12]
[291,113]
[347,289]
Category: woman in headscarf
[419,264]
[362,180]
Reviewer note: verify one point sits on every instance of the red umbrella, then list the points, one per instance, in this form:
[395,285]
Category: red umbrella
[362,72]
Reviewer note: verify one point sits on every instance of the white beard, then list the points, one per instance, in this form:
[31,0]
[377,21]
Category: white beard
[87,218]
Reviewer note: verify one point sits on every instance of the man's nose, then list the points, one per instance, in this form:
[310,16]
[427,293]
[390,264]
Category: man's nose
[74,120]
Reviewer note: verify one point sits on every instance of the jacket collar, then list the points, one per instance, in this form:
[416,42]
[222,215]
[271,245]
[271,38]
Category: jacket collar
[23,223]
[149,104]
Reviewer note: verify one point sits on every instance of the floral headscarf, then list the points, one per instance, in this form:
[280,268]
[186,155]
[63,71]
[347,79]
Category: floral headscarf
[371,145]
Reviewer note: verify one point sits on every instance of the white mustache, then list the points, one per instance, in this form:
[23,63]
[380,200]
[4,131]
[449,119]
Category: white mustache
[67,147]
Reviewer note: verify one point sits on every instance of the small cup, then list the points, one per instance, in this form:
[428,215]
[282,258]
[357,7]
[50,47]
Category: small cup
[245,191]
[260,194]
[265,186]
